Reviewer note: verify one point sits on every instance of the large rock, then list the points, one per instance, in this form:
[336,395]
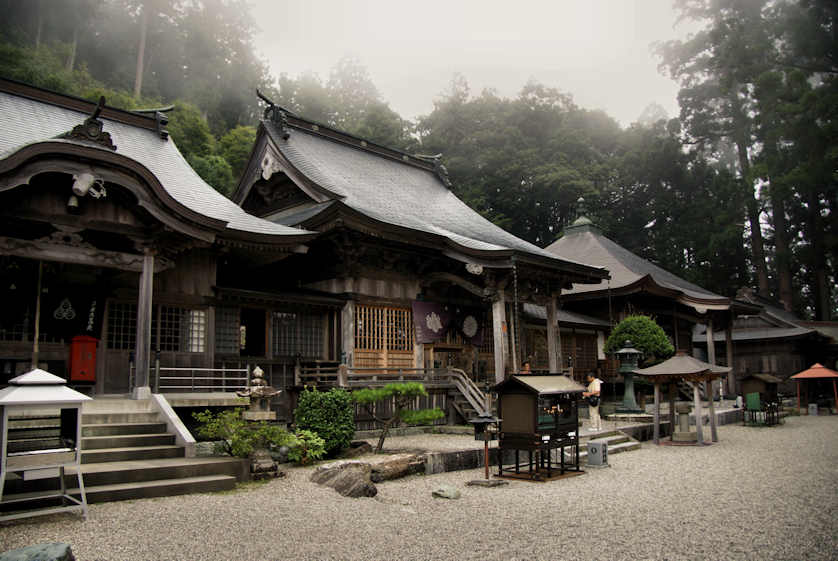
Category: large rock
[357,448]
[40,552]
[350,479]
[397,466]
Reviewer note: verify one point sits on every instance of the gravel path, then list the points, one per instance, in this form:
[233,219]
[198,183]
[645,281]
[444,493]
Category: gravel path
[760,493]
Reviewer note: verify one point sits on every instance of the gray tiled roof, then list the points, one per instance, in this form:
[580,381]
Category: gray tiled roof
[397,193]
[587,242]
[25,121]
[755,334]
[565,316]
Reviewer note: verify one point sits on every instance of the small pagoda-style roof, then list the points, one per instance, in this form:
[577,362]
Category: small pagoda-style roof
[36,123]
[683,366]
[816,371]
[630,273]
[306,174]
[39,387]
[541,385]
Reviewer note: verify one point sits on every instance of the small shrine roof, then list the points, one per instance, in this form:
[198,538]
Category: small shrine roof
[684,366]
[39,387]
[545,385]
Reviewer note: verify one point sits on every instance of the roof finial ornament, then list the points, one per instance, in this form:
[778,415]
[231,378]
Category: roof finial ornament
[276,114]
[439,167]
[581,210]
[91,129]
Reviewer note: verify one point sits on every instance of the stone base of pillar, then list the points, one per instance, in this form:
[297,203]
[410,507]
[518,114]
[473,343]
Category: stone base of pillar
[141,392]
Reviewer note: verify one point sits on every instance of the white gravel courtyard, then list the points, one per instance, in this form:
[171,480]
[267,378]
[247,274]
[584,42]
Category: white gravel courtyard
[760,493]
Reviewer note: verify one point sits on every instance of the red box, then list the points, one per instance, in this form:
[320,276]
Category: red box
[83,358]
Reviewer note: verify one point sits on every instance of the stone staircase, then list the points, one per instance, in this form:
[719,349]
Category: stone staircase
[617,442]
[127,453]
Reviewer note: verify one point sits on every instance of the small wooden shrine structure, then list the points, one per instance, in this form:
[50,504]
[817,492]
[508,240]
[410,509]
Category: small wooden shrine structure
[692,370]
[40,434]
[539,415]
[816,372]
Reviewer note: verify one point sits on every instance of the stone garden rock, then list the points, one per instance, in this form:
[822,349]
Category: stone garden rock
[357,448]
[350,479]
[397,466]
[41,552]
[446,492]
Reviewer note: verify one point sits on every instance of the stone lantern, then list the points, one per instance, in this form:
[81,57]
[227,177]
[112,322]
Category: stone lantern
[628,357]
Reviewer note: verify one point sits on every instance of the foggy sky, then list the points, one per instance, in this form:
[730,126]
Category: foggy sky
[596,50]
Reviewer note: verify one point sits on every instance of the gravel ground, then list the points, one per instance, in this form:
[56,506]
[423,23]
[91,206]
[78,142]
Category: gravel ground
[760,493]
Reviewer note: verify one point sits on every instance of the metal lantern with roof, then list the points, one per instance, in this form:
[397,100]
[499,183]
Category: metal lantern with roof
[628,357]
[40,427]
[482,431]
[540,416]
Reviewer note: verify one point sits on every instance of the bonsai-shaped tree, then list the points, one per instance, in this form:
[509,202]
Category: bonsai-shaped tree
[404,395]
[645,335]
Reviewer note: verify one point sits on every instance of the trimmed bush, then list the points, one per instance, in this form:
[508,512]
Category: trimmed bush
[645,335]
[330,415]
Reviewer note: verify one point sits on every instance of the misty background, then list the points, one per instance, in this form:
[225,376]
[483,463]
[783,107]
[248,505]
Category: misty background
[701,133]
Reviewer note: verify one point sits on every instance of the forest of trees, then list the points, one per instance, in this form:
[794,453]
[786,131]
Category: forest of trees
[740,189]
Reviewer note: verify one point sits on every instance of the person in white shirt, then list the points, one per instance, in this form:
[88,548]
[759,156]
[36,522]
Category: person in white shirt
[594,385]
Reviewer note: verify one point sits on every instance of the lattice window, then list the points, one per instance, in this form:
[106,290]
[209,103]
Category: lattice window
[180,329]
[122,325]
[195,333]
[383,337]
[384,328]
[297,334]
[227,331]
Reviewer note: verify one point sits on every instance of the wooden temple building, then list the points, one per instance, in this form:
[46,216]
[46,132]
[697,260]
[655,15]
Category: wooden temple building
[117,262]
[774,342]
[637,286]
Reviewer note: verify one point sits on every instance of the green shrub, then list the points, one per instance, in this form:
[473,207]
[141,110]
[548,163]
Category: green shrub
[306,447]
[238,437]
[645,335]
[329,414]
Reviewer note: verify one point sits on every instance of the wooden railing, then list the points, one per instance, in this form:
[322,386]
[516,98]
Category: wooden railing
[347,377]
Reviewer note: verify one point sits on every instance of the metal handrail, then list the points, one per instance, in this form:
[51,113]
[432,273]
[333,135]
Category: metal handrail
[228,382]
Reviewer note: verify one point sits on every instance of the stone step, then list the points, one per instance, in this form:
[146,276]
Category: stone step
[141,489]
[117,429]
[104,406]
[614,449]
[126,441]
[111,473]
[117,417]
[131,453]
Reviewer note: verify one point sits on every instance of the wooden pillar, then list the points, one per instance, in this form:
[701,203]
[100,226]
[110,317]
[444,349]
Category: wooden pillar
[553,340]
[142,350]
[675,329]
[798,397]
[835,392]
[657,412]
[714,435]
[512,322]
[731,377]
[711,357]
[35,342]
[672,392]
[499,332]
[347,332]
[697,412]
[711,344]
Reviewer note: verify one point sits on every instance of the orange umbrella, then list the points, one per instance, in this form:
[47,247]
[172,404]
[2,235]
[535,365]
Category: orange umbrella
[816,371]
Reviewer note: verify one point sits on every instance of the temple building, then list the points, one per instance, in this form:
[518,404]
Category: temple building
[119,262]
[637,286]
